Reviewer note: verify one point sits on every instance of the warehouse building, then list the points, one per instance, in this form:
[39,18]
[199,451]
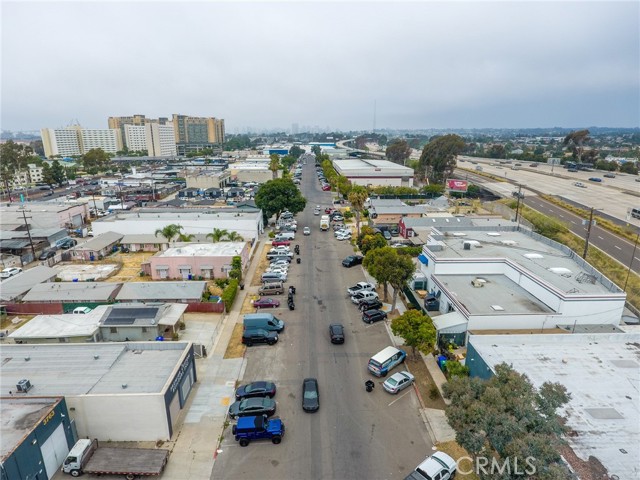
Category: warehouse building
[36,434]
[374,173]
[506,277]
[132,391]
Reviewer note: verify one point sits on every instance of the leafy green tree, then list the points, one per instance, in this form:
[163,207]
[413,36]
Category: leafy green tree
[343,185]
[96,158]
[507,416]
[438,158]
[236,268]
[234,237]
[629,167]
[186,237]
[357,197]
[57,172]
[169,231]
[371,241]
[316,150]
[417,330]
[456,369]
[497,151]
[398,151]
[295,151]
[217,235]
[388,267]
[575,142]
[278,195]
[72,173]
[47,174]
[287,161]
[274,164]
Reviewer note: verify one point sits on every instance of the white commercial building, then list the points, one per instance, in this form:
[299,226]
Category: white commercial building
[601,373]
[133,391]
[375,173]
[504,278]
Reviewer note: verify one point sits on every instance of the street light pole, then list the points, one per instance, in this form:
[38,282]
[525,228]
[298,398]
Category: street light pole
[518,204]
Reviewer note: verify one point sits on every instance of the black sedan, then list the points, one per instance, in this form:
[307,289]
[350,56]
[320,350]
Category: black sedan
[252,406]
[256,389]
[336,332]
[310,395]
[352,260]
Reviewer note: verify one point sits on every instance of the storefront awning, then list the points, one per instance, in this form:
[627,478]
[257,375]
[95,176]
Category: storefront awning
[423,259]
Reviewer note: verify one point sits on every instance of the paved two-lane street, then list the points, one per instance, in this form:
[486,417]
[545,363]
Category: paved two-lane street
[355,434]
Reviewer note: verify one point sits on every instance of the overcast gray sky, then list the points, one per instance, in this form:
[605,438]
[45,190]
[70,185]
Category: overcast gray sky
[270,64]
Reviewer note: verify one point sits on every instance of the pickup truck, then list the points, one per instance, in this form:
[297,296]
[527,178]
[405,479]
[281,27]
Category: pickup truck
[439,465]
[87,456]
[255,428]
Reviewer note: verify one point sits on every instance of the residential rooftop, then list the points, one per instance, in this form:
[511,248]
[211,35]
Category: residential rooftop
[602,374]
[13,287]
[90,368]
[72,291]
[218,249]
[158,291]
[59,326]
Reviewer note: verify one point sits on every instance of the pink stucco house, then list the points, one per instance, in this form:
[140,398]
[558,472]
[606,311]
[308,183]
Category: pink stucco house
[195,260]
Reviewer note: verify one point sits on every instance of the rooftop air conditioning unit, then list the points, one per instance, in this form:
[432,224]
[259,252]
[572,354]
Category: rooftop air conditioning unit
[24,385]
[478,282]
[466,246]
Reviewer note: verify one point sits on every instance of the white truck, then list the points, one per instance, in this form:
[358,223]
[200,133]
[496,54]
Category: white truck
[87,457]
[324,223]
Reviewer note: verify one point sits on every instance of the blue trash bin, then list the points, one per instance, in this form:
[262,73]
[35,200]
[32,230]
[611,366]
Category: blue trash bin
[190,277]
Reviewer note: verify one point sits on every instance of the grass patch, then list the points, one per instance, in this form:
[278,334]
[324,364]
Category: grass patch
[455,451]
[235,348]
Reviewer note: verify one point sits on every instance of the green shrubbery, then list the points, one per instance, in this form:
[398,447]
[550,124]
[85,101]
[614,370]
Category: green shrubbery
[229,294]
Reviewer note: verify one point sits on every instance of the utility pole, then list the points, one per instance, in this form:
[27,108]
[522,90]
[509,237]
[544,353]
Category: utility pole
[518,204]
[586,242]
[24,216]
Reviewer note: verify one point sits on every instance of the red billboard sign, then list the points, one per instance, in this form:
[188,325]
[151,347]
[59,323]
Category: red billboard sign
[457,185]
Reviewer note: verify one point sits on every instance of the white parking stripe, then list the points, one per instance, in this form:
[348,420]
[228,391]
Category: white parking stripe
[615,246]
[404,394]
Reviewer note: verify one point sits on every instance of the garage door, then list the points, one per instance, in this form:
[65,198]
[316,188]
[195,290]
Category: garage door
[76,220]
[54,451]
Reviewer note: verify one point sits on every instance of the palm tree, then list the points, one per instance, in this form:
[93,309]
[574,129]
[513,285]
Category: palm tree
[234,237]
[357,196]
[217,235]
[274,165]
[185,237]
[169,231]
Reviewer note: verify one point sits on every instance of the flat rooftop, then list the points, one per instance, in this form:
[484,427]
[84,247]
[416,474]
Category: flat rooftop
[565,271]
[155,214]
[602,374]
[91,368]
[219,249]
[65,325]
[500,294]
[358,167]
[159,291]
[20,415]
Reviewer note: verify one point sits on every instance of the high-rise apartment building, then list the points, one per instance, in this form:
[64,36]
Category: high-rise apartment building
[160,139]
[107,139]
[135,137]
[118,123]
[197,133]
[76,140]
[61,141]
[156,138]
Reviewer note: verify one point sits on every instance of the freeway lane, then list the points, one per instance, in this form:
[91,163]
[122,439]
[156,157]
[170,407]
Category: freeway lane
[616,247]
[355,434]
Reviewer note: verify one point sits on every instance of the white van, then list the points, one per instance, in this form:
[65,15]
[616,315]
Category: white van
[383,361]
[285,236]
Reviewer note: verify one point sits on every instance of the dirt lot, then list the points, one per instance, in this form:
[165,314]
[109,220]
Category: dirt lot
[263,263]
[130,271]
